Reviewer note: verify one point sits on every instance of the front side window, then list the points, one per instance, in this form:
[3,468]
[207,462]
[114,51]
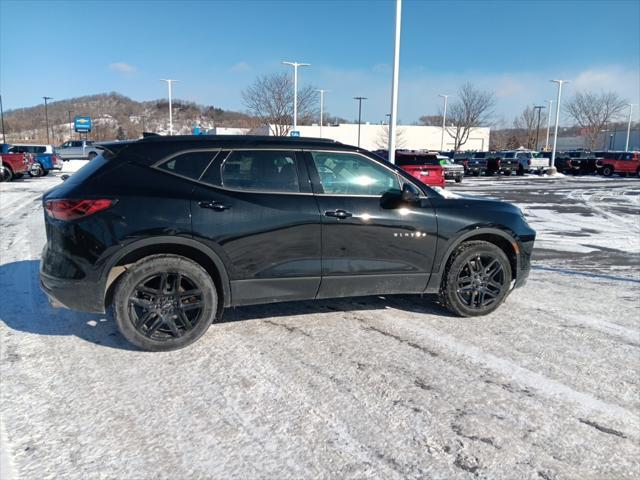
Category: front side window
[260,170]
[76,144]
[188,164]
[351,174]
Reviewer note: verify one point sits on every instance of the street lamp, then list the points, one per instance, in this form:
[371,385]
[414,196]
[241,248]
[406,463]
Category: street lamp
[4,140]
[555,133]
[70,123]
[295,66]
[46,115]
[394,84]
[546,144]
[626,145]
[359,115]
[169,83]
[539,109]
[322,92]
[444,121]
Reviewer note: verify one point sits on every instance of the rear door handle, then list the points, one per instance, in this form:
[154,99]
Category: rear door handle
[340,214]
[216,206]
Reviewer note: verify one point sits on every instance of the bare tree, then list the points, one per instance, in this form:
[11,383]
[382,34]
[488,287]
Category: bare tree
[526,122]
[473,108]
[431,120]
[382,140]
[270,98]
[593,111]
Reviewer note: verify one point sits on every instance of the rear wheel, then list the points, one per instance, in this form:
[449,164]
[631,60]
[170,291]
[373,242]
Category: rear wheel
[165,302]
[607,170]
[36,170]
[476,280]
[8,174]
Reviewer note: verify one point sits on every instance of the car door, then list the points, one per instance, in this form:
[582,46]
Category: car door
[367,248]
[256,209]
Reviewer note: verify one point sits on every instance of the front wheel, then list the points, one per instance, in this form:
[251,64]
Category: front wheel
[607,171]
[476,280]
[165,302]
[36,170]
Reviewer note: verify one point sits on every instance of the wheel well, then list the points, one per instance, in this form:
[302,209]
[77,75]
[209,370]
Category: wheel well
[191,253]
[505,245]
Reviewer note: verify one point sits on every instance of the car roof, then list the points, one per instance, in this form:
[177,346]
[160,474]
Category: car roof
[236,140]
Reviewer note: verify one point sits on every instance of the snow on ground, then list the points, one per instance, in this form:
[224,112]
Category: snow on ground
[546,387]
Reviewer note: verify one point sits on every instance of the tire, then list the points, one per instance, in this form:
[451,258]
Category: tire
[520,171]
[607,171]
[638,173]
[8,174]
[458,179]
[463,268]
[476,174]
[16,176]
[170,322]
[45,173]
[507,173]
[92,155]
[36,170]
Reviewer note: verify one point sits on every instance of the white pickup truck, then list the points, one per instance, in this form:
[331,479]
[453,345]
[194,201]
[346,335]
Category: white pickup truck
[83,149]
[527,161]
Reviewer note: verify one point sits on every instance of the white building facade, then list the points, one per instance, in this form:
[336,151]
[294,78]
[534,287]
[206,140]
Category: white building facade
[412,137]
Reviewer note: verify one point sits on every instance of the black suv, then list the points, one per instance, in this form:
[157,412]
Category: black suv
[170,230]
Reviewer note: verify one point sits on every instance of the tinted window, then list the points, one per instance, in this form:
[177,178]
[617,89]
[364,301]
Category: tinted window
[190,164]
[412,159]
[350,174]
[212,173]
[76,144]
[511,155]
[260,170]
[479,155]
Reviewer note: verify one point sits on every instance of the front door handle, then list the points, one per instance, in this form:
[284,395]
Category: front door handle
[340,214]
[216,206]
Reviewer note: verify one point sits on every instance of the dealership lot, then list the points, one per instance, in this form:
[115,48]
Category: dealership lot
[546,387]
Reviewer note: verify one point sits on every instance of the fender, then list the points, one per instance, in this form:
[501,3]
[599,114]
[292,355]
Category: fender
[436,275]
[175,240]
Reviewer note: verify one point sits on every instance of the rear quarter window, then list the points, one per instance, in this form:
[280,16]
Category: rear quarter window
[189,164]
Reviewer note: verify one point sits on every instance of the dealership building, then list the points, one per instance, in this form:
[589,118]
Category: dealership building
[375,136]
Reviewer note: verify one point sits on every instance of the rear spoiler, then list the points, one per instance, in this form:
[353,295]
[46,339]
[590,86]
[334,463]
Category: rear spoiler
[113,147]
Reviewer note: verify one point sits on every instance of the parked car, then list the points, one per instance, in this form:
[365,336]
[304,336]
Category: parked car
[622,163]
[424,166]
[577,162]
[452,171]
[475,163]
[504,164]
[526,161]
[45,158]
[79,149]
[14,165]
[171,230]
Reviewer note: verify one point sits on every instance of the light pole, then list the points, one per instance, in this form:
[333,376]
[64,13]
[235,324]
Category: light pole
[394,84]
[46,114]
[359,115]
[70,133]
[444,121]
[169,83]
[539,109]
[295,66]
[546,144]
[626,144]
[322,92]
[555,132]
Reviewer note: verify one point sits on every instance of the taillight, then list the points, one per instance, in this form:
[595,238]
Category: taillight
[74,209]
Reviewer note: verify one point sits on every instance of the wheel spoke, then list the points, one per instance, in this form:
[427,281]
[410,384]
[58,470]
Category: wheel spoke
[154,326]
[171,322]
[185,320]
[141,302]
[191,306]
[147,290]
[144,319]
[163,282]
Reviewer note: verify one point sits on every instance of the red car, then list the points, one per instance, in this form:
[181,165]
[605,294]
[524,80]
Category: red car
[15,165]
[622,163]
[422,165]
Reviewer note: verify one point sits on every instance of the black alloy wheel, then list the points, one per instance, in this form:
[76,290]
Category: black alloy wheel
[477,279]
[480,281]
[166,305]
[165,302]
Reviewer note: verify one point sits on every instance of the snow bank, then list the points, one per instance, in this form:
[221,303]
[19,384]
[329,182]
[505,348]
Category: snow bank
[446,193]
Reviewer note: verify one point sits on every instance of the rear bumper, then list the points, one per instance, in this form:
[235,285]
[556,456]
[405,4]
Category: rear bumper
[78,295]
[453,175]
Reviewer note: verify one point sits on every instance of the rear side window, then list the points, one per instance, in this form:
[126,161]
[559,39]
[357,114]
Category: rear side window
[260,170]
[188,164]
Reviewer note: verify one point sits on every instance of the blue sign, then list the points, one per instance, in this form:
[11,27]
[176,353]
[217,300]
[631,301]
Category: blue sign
[295,133]
[82,124]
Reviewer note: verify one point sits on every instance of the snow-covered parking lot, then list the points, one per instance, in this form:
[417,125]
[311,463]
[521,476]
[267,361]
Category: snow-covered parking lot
[547,387]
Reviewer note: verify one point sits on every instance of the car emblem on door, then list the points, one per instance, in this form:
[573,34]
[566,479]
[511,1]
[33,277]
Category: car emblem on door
[410,235]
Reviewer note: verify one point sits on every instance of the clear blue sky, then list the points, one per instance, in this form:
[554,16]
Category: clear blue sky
[70,48]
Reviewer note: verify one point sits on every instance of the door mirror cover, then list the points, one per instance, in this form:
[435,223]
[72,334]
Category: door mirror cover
[410,194]
[395,198]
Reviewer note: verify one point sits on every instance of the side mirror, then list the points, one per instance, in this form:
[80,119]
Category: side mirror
[410,194]
[65,177]
[395,198]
